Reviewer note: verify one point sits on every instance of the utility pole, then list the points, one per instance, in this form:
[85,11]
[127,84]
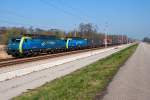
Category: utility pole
[75,31]
[122,38]
[127,41]
[106,37]
[105,40]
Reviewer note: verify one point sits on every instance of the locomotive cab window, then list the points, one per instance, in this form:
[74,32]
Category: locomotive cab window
[15,40]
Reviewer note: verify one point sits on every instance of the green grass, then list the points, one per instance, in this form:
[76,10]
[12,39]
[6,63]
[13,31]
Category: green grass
[82,84]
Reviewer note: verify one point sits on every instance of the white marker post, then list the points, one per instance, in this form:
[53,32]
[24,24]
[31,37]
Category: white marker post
[106,27]
[105,40]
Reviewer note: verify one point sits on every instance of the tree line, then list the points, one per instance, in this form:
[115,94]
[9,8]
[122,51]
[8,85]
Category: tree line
[146,39]
[84,30]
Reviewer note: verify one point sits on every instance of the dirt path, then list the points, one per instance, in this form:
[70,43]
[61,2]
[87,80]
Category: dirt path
[132,82]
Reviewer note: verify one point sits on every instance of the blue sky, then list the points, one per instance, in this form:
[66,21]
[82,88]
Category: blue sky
[130,17]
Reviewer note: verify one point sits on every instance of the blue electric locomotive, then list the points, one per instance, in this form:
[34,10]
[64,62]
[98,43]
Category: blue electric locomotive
[34,45]
[26,46]
[76,43]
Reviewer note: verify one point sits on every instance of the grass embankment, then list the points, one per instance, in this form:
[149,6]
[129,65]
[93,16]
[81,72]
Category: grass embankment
[82,84]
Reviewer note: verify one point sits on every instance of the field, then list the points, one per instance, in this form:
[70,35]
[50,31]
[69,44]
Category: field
[84,84]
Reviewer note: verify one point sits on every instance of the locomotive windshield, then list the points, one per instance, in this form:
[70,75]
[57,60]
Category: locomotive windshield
[16,40]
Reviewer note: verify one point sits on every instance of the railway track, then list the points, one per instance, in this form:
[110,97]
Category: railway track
[13,61]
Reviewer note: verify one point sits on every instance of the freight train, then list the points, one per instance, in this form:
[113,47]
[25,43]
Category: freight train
[34,45]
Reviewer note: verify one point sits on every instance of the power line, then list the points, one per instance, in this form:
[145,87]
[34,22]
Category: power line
[10,12]
[74,8]
[29,19]
[60,9]
[17,15]
[21,24]
[8,22]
